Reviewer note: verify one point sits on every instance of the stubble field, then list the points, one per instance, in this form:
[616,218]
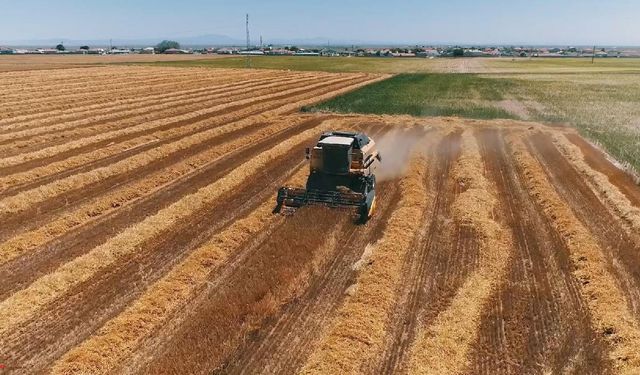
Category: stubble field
[137,235]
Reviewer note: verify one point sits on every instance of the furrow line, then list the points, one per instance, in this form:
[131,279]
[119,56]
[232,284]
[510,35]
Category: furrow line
[356,335]
[100,113]
[170,122]
[23,305]
[129,120]
[91,304]
[170,171]
[611,315]
[14,115]
[43,96]
[23,200]
[443,346]
[599,182]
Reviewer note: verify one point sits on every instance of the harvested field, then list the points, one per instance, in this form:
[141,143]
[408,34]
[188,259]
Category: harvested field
[137,235]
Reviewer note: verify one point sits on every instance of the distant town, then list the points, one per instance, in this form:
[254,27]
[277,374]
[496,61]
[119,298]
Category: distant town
[171,47]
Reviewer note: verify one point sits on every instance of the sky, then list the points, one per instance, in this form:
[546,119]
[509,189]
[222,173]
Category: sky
[560,22]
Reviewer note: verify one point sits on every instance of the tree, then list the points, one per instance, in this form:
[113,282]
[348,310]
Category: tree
[60,47]
[167,44]
[86,48]
[458,52]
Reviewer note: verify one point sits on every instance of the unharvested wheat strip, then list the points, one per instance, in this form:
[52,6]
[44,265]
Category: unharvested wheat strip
[198,86]
[357,334]
[607,192]
[609,310]
[160,151]
[119,198]
[119,338]
[159,109]
[442,348]
[50,151]
[22,305]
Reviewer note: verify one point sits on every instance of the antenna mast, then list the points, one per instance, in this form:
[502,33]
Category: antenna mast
[248,59]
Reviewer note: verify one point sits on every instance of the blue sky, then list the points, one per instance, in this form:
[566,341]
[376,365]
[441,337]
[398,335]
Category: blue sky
[614,22]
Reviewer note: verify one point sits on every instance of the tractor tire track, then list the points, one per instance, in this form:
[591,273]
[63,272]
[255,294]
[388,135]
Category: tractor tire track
[538,322]
[39,341]
[265,279]
[283,342]
[28,160]
[431,278]
[64,130]
[23,270]
[620,247]
[60,202]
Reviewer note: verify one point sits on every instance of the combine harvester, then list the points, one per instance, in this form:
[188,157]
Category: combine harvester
[341,175]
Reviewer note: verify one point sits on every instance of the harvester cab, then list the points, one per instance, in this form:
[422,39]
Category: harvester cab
[341,174]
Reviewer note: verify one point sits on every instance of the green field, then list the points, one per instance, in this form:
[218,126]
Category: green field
[604,107]
[602,99]
[426,94]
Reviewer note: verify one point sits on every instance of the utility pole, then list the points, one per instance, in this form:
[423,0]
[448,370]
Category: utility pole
[593,54]
[261,45]
[248,59]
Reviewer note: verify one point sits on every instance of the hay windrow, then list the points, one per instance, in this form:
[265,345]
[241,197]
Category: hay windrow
[607,192]
[97,99]
[119,337]
[121,197]
[153,79]
[148,126]
[443,347]
[28,198]
[160,109]
[611,316]
[198,88]
[357,334]
[22,305]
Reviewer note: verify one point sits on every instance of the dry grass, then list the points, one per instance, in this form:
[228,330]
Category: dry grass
[607,191]
[119,337]
[114,200]
[357,334]
[28,198]
[443,347]
[22,305]
[610,313]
